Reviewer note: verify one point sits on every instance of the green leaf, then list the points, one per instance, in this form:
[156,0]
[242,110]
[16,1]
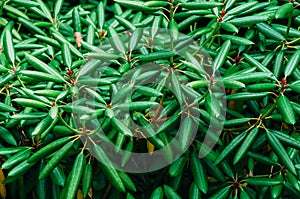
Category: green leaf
[246,145]
[55,160]
[30,103]
[280,152]
[255,63]
[285,107]
[170,193]
[292,63]
[236,40]
[157,193]
[230,147]
[155,56]
[246,96]
[177,166]
[222,55]
[48,149]
[136,106]
[243,7]
[199,172]
[284,10]
[258,181]
[39,65]
[200,5]
[108,168]
[16,159]
[9,47]
[136,5]
[6,108]
[194,192]
[248,20]
[75,176]
[121,127]
[221,193]
[41,76]
[269,32]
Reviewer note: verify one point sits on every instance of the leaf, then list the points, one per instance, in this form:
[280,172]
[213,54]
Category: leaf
[255,63]
[177,166]
[222,55]
[199,172]
[87,179]
[292,63]
[55,160]
[237,40]
[108,168]
[39,65]
[233,84]
[48,149]
[186,132]
[200,5]
[246,145]
[9,47]
[136,5]
[284,10]
[269,32]
[7,136]
[45,9]
[285,107]
[121,127]
[66,54]
[248,20]
[41,76]
[16,159]
[135,39]
[221,193]
[30,103]
[243,7]
[246,96]
[115,41]
[261,158]
[6,108]
[249,77]
[170,193]
[75,176]
[173,29]
[258,181]
[280,152]
[157,193]
[230,147]
[155,56]
[136,106]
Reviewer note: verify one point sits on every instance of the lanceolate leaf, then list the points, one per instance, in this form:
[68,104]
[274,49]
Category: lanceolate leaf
[280,152]
[222,55]
[246,145]
[108,168]
[263,181]
[75,176]
[199,172]
[91,89]
[246,96]
[9,47]
[255,63]
[236,39]
[39,65]
[286,109]
[292,64]
[269,32]
[230,147]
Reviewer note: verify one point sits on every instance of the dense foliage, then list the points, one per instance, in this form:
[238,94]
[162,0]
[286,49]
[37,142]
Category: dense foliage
[77,74]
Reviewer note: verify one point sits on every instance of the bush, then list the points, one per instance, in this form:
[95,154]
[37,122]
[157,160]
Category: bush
[177,99]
